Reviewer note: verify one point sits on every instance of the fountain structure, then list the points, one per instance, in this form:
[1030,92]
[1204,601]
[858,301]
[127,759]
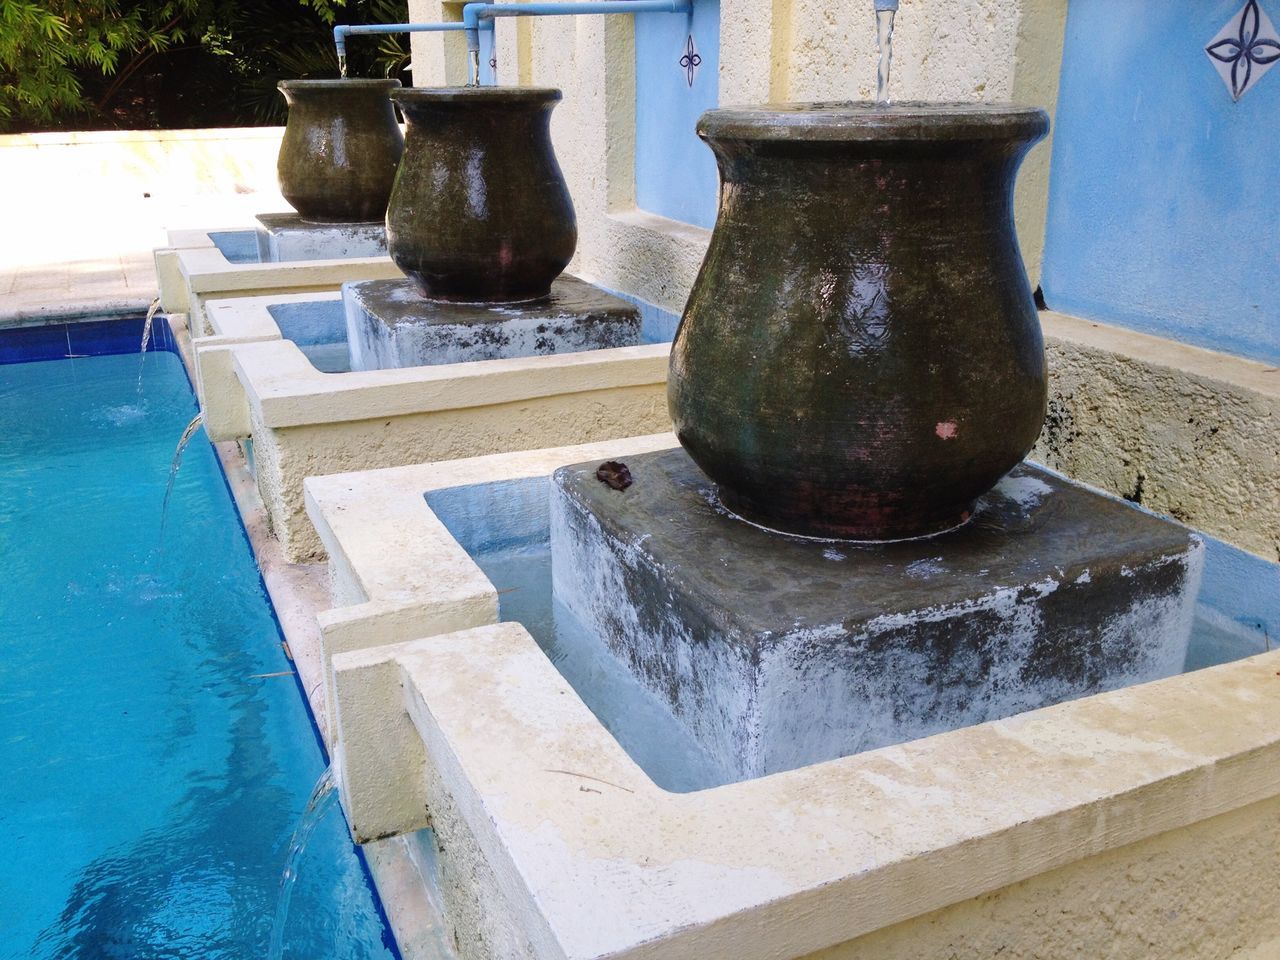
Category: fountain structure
[880,628]
[481,222]
[337,161]
[847,551]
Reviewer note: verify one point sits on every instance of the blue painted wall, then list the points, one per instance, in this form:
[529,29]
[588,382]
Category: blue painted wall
[1164,205]
[675,171]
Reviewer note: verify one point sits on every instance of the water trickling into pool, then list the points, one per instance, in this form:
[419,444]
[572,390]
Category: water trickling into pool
[174,466]
[318,806]
[146,338]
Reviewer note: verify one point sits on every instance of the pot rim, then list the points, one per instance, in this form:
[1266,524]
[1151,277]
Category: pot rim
[340,83]
[411,96]
[859,121]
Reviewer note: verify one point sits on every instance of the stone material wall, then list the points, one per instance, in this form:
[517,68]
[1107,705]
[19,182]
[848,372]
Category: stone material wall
[1214,880]
[988,50]
[287,456]
[160,162]
[1184,431]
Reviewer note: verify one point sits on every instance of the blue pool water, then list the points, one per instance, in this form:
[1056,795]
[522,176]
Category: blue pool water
[155,748]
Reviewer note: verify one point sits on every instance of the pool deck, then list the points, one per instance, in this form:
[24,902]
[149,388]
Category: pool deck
[103,264]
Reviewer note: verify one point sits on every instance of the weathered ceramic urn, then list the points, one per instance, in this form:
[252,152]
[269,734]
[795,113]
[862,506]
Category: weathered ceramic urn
[340,150]
[860,356]
[480,211]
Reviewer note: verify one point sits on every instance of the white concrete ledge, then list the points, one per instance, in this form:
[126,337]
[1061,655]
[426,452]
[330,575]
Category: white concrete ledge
[593,860]
[395,572]
[204,273]
[1226,368]
[285,390]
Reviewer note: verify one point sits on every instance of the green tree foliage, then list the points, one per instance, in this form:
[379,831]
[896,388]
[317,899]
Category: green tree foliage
[170,63]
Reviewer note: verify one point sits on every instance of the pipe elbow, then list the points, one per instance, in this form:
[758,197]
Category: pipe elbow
[471,17]
[340,38]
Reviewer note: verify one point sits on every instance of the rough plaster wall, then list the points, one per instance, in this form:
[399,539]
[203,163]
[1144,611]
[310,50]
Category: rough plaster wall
[1206,892]
[1035,80]
[479,922]
[770,50]
[285,457]
[1203,451]
[438,58]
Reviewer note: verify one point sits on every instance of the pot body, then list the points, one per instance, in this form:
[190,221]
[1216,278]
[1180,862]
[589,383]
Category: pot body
[860,357]
[340,150]
[480,211]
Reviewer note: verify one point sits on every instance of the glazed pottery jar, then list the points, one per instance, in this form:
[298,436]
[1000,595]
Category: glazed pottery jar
[340,149]
[480,211]
[860,356]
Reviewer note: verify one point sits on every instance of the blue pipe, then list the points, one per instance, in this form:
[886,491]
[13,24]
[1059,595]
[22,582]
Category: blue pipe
[474,13]
[344,30]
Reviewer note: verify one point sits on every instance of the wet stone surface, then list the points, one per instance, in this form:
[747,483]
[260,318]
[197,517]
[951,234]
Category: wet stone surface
[286,236]
[777,652]
[390,324]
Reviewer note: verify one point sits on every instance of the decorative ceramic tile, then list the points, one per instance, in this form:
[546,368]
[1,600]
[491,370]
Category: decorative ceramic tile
[691,60]
[1246,48]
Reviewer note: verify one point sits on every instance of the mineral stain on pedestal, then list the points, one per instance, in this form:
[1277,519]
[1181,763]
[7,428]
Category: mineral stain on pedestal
[390,325]
[284,237]
[777,652]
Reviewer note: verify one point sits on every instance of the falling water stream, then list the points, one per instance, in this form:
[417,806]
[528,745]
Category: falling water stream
[322,796]
[884,41]
[146,337]
[342,65]
[174,465]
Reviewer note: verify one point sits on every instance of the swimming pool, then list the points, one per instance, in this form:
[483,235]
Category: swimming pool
[155,746]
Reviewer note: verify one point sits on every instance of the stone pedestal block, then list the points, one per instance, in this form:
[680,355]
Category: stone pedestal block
[286,236]
[777,651]
[390,324]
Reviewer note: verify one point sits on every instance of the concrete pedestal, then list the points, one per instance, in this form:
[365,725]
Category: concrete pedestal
[286,236]
[390,324]
[777,652]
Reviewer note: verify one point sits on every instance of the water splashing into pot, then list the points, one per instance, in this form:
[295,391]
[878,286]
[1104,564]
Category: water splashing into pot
[884,42]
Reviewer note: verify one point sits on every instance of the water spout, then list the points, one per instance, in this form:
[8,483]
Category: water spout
[146,337]
[174,465]
[344,30]
[885,11]
[479,15]
[322,796]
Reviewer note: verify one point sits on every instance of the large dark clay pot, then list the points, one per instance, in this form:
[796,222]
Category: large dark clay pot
[860,356]
[340,150]
[480,211]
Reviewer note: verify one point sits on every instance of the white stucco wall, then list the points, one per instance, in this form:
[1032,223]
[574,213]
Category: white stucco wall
[967,50]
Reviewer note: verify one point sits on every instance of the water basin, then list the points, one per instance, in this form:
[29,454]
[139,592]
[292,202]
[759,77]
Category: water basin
[504,527]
